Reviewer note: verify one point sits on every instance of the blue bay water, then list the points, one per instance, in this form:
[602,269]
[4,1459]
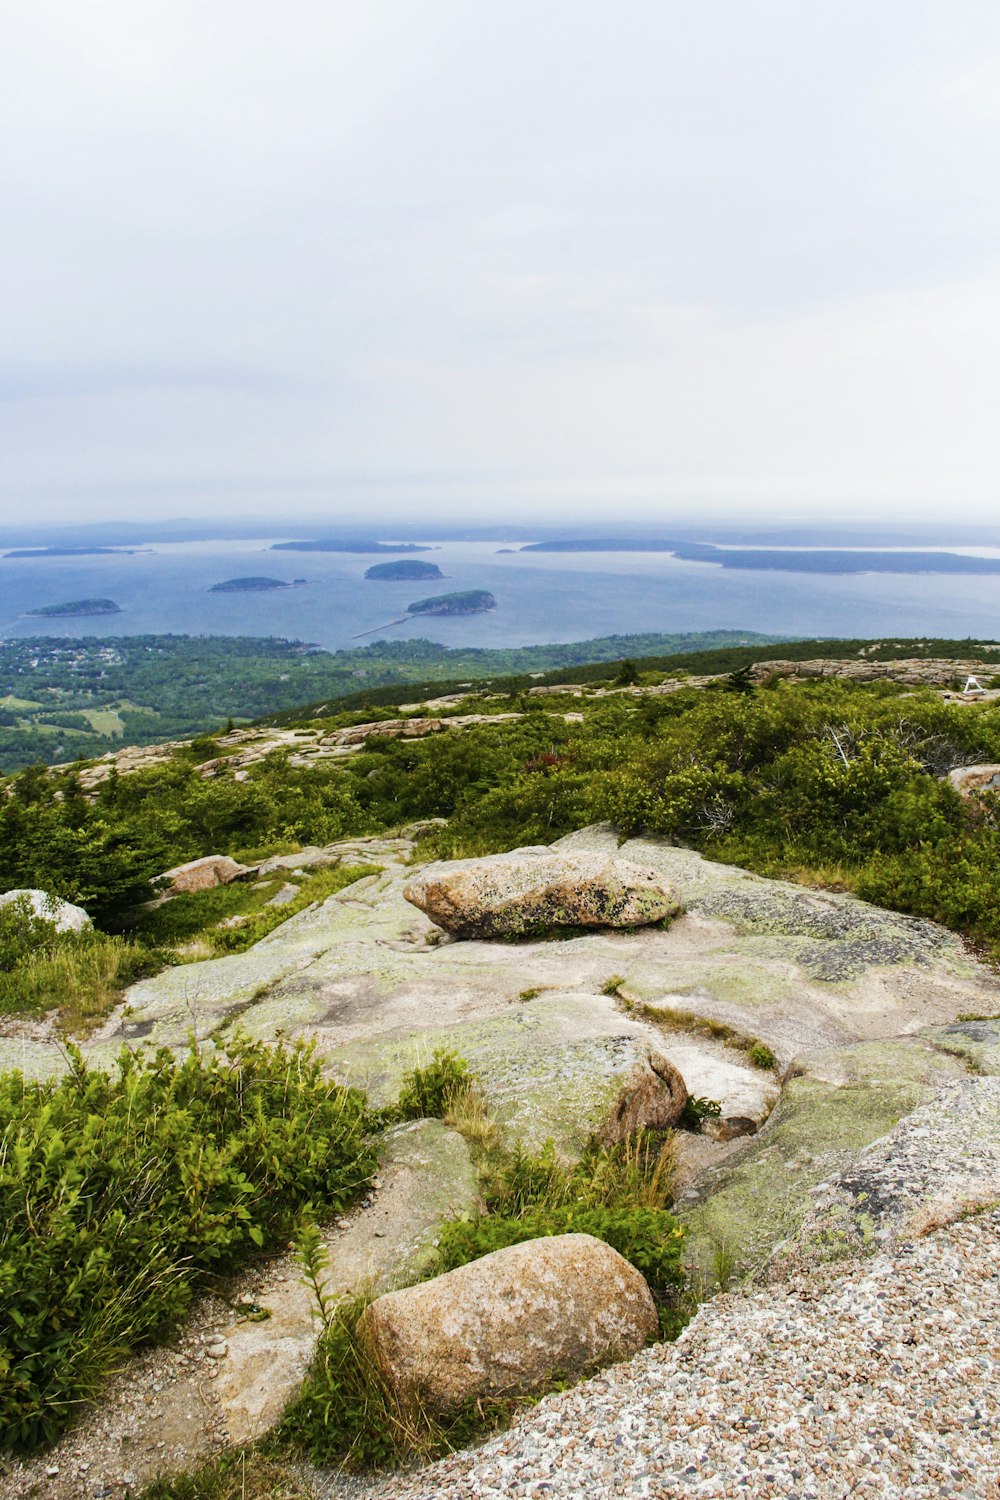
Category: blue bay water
[541,597]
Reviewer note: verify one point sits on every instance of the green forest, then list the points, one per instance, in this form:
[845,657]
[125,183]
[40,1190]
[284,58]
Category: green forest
[68,699]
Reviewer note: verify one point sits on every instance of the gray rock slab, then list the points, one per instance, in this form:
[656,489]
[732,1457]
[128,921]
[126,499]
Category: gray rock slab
[833,1104]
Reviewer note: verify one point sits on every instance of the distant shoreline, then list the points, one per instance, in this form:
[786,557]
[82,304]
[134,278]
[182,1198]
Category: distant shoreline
[789,560]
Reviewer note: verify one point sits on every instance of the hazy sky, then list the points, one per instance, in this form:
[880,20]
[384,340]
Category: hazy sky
[499,257]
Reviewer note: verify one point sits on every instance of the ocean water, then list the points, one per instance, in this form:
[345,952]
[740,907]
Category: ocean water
[541,597]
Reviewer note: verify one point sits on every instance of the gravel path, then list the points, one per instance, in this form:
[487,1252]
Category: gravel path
[879,1381]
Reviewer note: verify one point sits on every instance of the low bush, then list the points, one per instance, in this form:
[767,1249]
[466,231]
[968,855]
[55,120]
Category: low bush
[22,932]
[649,1238]
[428,1091]
[619,1194]
[761,1055]
[120,1193]
[697,1109]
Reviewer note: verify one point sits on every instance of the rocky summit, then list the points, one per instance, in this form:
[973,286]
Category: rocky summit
[842,1178]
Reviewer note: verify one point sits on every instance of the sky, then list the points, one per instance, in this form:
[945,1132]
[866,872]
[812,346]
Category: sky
[499,258]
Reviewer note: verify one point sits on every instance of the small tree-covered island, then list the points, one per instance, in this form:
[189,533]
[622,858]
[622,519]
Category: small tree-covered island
[78,607]
[254,585]
[392,572]
[467,602]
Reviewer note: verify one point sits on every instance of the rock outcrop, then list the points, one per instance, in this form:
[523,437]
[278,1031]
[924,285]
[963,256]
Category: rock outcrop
[205,874]
[653,1097]
[503,1325]
[912,671]
[66,916]
[969,780]
[532,890]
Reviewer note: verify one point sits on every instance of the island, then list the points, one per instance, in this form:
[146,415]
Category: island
[339,546]
[78,607]
[787,559]
[834,560]
[396,570]
[75,551]
[253,585]
[469,602]
[601,544]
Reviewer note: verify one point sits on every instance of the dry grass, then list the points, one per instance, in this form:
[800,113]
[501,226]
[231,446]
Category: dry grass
[940,1213]
[640,1171]
[82,979]
[821,877]
[675,1018]
[468,1114]
[241,1475]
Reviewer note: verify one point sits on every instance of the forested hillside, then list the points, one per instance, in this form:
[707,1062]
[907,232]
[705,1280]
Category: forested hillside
[61,699]
[828,782]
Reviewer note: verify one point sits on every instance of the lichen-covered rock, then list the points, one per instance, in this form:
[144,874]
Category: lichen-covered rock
[970,780]
[652,1097]
[532,890]
[205,874]
[66,916]
[505,1324]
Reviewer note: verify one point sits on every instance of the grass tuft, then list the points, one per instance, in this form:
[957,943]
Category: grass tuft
[429,1090]
[242,1474]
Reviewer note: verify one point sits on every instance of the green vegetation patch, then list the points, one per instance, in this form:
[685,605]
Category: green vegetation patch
[241,1474]
[121,1193]
[79,974]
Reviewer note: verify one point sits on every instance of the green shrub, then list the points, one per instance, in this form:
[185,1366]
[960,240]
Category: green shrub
[697,1109]
[119,1193]
[650,1238]
[761,1055]
[23,932]
[617,1193]
[427,1092]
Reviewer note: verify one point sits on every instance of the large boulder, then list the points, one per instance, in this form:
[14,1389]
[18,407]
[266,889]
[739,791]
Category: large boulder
[66,916]
[505,1324]
[533,890]
[204,874]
